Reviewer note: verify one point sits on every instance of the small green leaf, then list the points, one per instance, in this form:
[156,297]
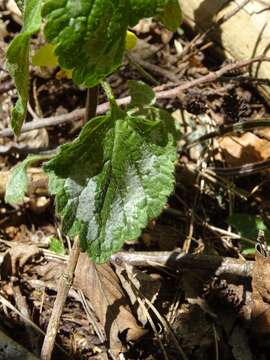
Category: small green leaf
[114,178]
[16,187]
[248,226]
[168,11]
[56,246]
[18,60]
[171,15]
[141,94]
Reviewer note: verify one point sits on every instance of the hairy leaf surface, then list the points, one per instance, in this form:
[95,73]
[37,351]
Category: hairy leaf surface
[90,34]
[18,60]
[114,178]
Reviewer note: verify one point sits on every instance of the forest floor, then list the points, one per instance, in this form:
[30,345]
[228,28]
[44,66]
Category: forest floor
[194,285]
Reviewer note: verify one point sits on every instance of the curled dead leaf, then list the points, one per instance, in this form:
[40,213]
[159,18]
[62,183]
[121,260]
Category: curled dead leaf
[102,288]
[16,257]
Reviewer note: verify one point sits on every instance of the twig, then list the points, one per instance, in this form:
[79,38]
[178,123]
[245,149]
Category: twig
[226,17]
[212,76]
[64,285]
[154,68]
[243,170]
[181,260]
[141,70]
[166,94]
[245,125]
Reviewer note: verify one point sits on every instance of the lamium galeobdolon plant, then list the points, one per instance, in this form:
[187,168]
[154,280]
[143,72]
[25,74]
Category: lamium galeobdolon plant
[117,174]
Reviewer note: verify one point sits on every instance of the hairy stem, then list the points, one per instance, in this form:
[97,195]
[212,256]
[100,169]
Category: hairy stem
[108,91]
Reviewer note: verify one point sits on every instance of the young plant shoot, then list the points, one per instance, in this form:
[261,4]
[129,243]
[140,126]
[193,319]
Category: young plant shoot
[117,174]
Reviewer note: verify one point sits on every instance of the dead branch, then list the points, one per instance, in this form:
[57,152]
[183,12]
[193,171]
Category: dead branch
[182,261]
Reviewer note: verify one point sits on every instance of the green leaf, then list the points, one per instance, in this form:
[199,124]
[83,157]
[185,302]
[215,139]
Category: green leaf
[90,35]
[16,187]
[168,11]
[171,16]
[248,226]
[56,246]
[141,94]
[113,179]
[18,60]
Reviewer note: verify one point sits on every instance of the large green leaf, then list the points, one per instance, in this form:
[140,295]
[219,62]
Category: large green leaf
[90,34]
[114,178]
[18,60]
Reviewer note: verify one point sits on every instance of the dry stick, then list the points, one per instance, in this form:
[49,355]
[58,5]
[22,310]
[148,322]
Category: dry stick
[64,285]
[181,260]
[167,94]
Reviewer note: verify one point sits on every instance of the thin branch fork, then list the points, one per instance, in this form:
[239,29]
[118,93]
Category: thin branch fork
[165,94]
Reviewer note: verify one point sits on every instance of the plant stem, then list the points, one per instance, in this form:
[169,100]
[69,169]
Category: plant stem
[64,285]
[108,91]
[91,103]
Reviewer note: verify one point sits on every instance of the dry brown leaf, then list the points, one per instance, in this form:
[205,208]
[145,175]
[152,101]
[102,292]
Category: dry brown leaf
[102,288]
[243,149]
[16,257]
[260,313]
[99,283]
[133,281]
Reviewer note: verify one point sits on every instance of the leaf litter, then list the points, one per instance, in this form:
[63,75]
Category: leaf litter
[206,314]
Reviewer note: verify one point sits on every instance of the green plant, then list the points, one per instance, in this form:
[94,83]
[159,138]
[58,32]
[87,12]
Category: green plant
[118,173]
[248,227]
